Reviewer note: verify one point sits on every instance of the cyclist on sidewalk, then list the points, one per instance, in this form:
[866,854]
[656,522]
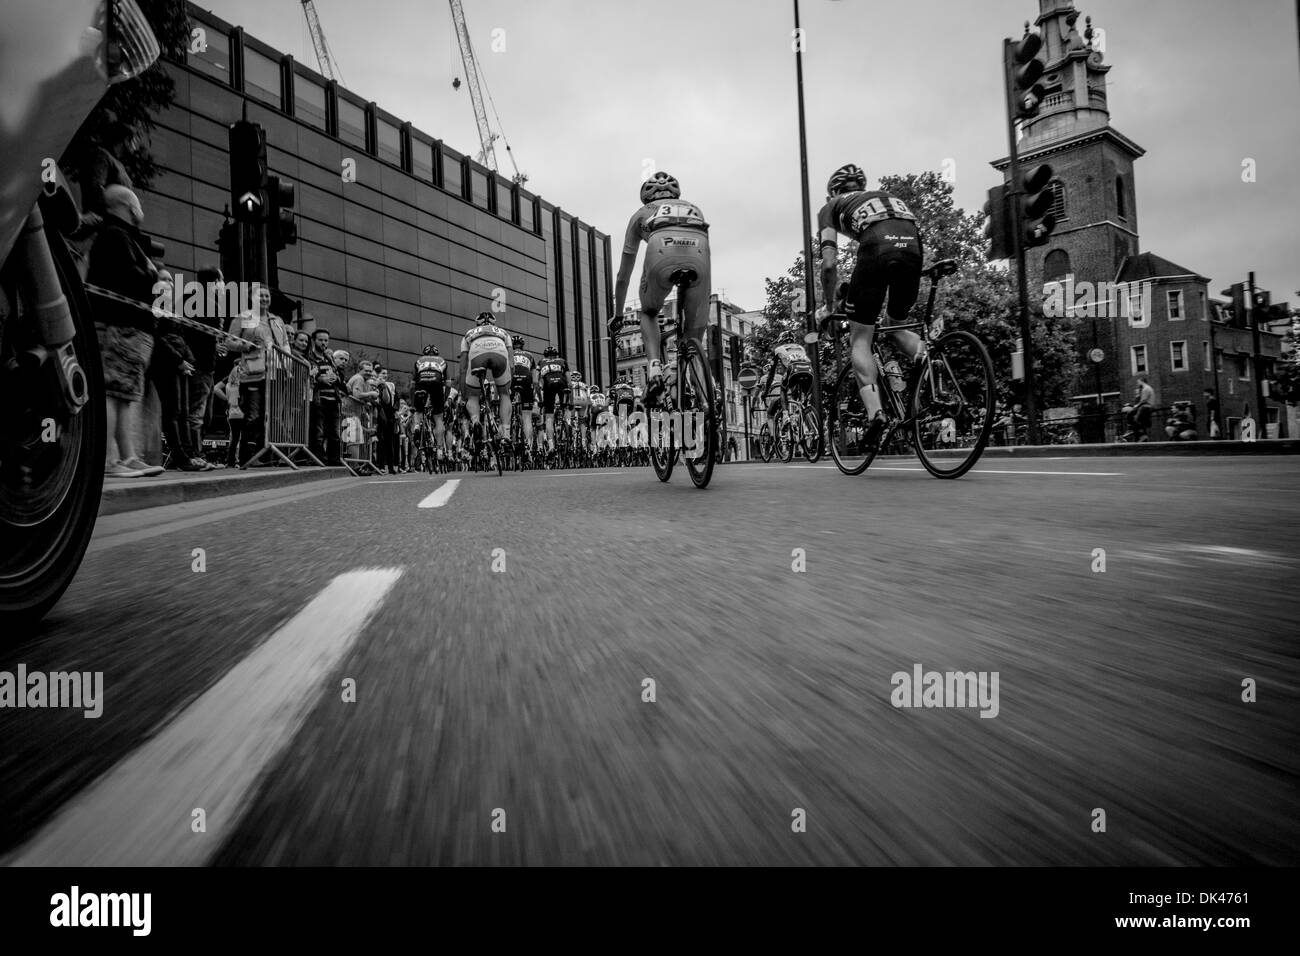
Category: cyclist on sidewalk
[890,259]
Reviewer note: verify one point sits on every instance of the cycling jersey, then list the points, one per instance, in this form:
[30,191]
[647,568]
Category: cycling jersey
[621,393]
[581,397]
[673,214]
[791,357]
[852,213]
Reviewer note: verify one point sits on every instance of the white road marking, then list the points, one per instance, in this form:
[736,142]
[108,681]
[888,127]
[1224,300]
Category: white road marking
[441,495]
[211,755]
[984,471]
[395,481]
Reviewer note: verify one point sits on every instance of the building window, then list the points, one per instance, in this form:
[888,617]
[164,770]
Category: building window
[478,193]
[1138,359]
[1056,266]
[1201,299]
[1135,302]
[1059,209]
[309,101]
[422,159]
[451,172]
[1178,356]
[1243,367]
[1218,360]
[390,142]
[352,123]
[1205,350]
[1174,302]
[261,77]
[214,60]
[1121,205]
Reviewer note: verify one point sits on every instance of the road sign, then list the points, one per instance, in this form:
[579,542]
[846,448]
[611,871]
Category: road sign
[1096,356]
[748,377]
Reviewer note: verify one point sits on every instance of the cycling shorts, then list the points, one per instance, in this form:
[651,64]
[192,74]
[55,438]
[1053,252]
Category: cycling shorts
[429,399]
[523,387]
[491,353]
[890,259]
[552,396]
[668,250]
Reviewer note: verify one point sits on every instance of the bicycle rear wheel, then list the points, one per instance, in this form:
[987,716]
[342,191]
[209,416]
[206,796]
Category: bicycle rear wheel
[847,428]
[698,406]
[811,439]
[766,443]
[952,405]
[663,443]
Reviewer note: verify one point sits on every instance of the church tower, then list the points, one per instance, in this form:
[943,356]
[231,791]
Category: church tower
[1095,199]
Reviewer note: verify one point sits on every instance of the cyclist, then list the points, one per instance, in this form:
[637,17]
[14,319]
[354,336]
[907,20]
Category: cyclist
[889,261]
[522,387]
[553,374]
[580,399]
[789,363]
[676,237]
[429,394]
[485,346]
[598,419]
[622,401]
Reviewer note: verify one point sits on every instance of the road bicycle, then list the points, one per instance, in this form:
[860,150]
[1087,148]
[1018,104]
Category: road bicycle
[939,405]
[798,422]
[488,448]
[686,402]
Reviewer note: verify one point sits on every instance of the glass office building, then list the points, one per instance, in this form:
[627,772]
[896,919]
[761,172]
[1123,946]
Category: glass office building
[407,254]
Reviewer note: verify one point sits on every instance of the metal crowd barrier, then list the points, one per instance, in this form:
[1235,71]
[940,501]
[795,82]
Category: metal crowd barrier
[285,409]
[362,461]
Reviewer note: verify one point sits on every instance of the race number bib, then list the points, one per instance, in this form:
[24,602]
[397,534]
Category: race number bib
[876,209]
[524,362]
[674,213]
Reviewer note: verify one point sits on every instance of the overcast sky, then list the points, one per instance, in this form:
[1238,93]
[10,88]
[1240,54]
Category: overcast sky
[587,90]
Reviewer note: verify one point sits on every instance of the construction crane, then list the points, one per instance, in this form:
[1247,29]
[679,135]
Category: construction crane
[486,136]
[324,57]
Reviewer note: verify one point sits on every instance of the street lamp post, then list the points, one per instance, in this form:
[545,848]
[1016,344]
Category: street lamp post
[810,319]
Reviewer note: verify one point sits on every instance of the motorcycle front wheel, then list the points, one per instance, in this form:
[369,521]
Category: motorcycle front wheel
[51,462]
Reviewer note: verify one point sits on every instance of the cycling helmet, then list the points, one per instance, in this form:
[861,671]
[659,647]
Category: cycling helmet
[847,178]
[485,318]
[431,350]
[785,338]
[518,342]
[660,186]
[551,352]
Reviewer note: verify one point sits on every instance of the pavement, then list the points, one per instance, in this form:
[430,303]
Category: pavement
[596,668]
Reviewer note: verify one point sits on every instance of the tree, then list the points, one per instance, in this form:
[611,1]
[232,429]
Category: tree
[1287,370]
[136,101]
[979,298]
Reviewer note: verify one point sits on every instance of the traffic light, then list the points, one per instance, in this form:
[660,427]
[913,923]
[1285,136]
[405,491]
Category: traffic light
[228,250]
[247,170]
[1237,292]
[1026,68]
[997,225]
[1263,301]
[1036,217]
[281,228]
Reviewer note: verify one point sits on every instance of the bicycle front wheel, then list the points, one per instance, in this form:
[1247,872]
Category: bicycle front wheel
[811,439]
[846,429]
[765,442]
[952,405]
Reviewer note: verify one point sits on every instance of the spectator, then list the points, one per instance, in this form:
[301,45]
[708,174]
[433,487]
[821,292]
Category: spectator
[364,395]
[386,421]
[1212,412]
[119,263]
[1181,425]
[324,410]
[404,434]
[228,389]
[198,385]
[253,328]
[170,370]
[104,167]
[301,345]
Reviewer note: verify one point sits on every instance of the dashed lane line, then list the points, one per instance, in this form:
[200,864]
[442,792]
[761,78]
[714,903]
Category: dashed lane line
[211,755]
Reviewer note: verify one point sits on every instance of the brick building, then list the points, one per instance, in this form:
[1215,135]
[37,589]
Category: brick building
[1143,315]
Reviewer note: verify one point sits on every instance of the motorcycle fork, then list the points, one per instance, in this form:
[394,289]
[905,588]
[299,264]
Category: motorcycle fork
[53,354]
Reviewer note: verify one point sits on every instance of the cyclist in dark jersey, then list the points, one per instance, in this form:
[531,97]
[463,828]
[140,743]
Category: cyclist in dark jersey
[522,382]
[553,374]
[890,259]
[429,392]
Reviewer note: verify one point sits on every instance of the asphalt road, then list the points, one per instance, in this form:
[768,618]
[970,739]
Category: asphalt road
[349,681]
